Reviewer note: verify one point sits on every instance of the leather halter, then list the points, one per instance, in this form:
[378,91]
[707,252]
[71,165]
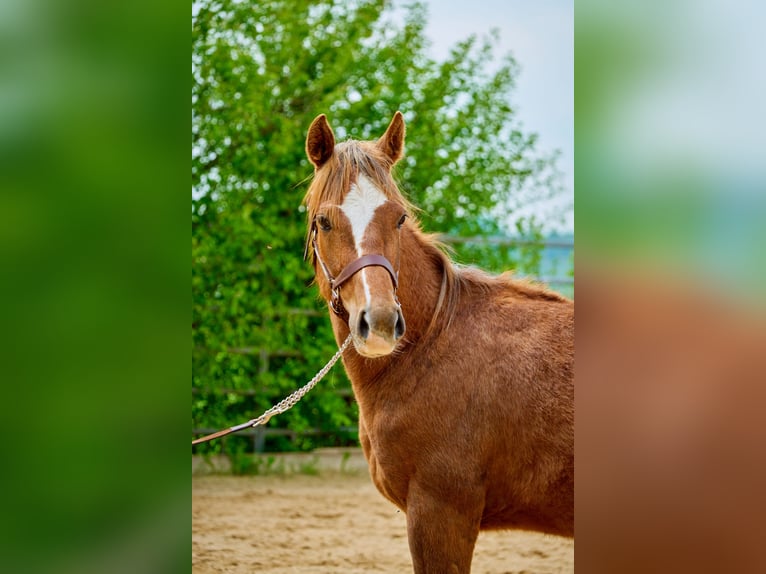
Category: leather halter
[369,260]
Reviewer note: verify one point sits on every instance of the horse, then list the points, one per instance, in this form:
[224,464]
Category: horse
[464,380]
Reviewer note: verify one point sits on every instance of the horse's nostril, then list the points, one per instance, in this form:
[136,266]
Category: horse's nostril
[400,326]
[364,327]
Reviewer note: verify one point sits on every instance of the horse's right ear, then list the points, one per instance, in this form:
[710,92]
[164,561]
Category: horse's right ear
[320,141]
[392,142]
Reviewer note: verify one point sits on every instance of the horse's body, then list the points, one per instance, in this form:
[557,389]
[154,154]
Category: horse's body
[467,418]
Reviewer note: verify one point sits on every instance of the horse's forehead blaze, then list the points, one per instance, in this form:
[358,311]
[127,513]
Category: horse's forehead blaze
[359,207]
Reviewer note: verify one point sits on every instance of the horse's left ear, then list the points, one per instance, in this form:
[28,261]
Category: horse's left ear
[392,142]
[320,141]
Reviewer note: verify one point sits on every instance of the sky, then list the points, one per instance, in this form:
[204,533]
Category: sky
[540,36]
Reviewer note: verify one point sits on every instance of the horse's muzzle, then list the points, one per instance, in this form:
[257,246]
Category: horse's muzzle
[376,331]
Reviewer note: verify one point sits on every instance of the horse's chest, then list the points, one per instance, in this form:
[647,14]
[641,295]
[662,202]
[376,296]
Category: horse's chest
[390,469]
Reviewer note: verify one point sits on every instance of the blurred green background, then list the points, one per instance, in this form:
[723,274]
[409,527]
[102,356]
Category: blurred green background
[260,74]
[94,259]
[670,140]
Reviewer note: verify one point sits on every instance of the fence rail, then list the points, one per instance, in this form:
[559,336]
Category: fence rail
[259,434]
[505,241]
[556,280]
[341,392]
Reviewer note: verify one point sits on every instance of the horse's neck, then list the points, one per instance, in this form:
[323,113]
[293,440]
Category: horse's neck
[420,283]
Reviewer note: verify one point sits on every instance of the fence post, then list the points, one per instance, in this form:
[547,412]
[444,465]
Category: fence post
[259,439]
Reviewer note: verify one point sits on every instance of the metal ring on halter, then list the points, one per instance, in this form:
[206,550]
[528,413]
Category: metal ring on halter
[336,303]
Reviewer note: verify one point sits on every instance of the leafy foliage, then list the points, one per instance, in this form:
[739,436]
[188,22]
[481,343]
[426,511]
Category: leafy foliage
[260,73]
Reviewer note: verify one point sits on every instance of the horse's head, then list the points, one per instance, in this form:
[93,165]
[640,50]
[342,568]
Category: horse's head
[355,215]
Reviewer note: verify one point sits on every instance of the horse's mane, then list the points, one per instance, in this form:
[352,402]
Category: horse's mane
[353,158]
[458,279]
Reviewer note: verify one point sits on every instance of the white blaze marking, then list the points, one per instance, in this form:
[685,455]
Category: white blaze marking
[359,206]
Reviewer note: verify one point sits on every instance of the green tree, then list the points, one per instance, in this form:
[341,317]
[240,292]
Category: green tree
[260,73]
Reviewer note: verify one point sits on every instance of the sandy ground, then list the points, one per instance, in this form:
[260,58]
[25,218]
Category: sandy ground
[332,523]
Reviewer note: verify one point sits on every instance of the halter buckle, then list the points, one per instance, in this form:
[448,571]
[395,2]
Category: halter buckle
[335,302]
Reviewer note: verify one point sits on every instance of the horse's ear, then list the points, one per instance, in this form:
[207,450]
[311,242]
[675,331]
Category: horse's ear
[392,142]
[320,141]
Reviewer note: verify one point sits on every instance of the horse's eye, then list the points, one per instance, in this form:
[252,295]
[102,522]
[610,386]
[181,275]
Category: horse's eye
[401,221]
[324,223]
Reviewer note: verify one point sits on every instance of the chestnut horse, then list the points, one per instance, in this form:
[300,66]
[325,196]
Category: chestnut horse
[464,380]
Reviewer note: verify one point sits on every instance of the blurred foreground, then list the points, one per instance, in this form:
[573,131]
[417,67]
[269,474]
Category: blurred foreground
[670,461]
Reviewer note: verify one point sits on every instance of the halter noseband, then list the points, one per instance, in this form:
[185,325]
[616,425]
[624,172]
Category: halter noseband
[369,260]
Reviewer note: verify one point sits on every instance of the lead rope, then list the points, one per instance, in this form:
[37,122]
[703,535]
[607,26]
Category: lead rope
[285,404]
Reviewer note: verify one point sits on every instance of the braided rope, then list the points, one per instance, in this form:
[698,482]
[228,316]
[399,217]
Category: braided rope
[285,404]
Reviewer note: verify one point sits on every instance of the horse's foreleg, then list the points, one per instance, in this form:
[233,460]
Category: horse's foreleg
[441,534]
